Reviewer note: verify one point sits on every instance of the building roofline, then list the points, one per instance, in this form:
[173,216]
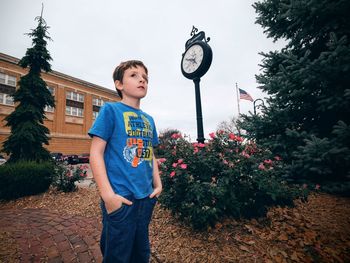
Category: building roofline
[14,60]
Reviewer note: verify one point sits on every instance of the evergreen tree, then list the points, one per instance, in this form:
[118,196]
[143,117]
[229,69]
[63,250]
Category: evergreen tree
[307,119]
[28,133]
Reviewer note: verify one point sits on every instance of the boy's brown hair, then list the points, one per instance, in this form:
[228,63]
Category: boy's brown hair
[118,73]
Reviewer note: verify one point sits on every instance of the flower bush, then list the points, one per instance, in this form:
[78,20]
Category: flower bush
[66,176]
[225,177]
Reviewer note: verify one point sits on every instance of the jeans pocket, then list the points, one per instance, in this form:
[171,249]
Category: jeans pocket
[153,200]
[117,211]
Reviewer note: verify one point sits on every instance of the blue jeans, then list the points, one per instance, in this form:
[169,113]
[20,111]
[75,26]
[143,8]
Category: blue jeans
[125,236]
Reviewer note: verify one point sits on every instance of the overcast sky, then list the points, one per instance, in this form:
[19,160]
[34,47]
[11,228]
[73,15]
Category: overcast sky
[91,37]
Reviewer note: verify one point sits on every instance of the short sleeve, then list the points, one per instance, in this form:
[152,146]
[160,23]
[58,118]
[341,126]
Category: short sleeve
[102,126]
[155,141]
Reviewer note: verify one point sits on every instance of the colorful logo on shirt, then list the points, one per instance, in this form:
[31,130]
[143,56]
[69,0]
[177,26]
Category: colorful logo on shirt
[139,139]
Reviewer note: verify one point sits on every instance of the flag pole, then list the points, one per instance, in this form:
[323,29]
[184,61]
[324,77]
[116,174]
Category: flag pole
[237,92]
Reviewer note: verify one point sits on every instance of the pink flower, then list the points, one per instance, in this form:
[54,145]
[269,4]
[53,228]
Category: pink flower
[262,166]
[212,135]
[225,162]
[239,139]
[268,161]
[244,154]
[183,166]
[195,150]
[176,136]
[174,165]
[84,167]
[231,136]
[317,186]
[201,145]
[180,161]
[172,174]
[161,160]
[235,138]
[221,131]
[278,158]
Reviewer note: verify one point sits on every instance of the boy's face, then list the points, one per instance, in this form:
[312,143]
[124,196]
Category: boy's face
[135,83]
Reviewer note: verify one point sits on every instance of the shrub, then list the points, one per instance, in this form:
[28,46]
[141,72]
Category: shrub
[226,177]
[165,137]
[66,176]
[24,178]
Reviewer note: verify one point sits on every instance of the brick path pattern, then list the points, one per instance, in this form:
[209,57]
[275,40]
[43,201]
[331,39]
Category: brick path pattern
[44,236]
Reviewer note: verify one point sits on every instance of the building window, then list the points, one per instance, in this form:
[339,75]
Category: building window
[73,111]
[74,104]
[97,102]
[94,115]
[8,80]
[49,108]
[96,105]
[70,95]
[6,99]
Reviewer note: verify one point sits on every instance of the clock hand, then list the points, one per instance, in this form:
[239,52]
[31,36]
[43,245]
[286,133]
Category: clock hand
[192,60]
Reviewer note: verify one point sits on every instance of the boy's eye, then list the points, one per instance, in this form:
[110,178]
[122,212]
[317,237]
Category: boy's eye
[145,77]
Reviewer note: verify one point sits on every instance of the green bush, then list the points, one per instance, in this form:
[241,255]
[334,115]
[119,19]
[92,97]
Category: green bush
[24,178]
[66,176]
[226,177]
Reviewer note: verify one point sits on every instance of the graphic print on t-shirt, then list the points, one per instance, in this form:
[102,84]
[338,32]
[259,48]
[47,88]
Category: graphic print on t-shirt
[138,145]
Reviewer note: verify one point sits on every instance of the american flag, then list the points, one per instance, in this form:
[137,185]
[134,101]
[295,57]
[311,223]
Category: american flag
[243,95]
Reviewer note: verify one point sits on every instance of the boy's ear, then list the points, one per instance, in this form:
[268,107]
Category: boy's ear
[118,85]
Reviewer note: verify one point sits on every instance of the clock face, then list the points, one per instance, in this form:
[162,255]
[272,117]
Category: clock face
[192,59]
[196,60]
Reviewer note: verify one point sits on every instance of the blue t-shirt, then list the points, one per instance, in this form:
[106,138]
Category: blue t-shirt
[130,135]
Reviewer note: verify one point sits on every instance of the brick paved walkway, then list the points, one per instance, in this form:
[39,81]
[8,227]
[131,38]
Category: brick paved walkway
[43,236]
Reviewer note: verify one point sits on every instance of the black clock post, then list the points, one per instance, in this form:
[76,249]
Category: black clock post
[195,62]
[200,132]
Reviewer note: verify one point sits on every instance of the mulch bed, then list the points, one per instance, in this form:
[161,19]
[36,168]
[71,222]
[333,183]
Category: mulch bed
[314,231]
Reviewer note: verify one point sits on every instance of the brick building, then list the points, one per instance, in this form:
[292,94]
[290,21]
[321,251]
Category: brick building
[77,105]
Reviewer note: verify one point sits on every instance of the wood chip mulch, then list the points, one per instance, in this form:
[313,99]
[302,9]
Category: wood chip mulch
[314,231]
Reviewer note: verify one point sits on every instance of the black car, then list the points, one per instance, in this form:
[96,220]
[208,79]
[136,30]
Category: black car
[58,157]
[70,159]
[84,158]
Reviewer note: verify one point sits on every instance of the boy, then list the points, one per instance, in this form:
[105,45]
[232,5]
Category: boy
[124,167]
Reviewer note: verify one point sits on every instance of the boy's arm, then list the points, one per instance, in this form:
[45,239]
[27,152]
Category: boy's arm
[112,200]
[157,183]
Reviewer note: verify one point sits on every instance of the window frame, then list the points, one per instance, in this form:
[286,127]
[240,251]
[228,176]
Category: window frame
[8,80]
[7,100]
